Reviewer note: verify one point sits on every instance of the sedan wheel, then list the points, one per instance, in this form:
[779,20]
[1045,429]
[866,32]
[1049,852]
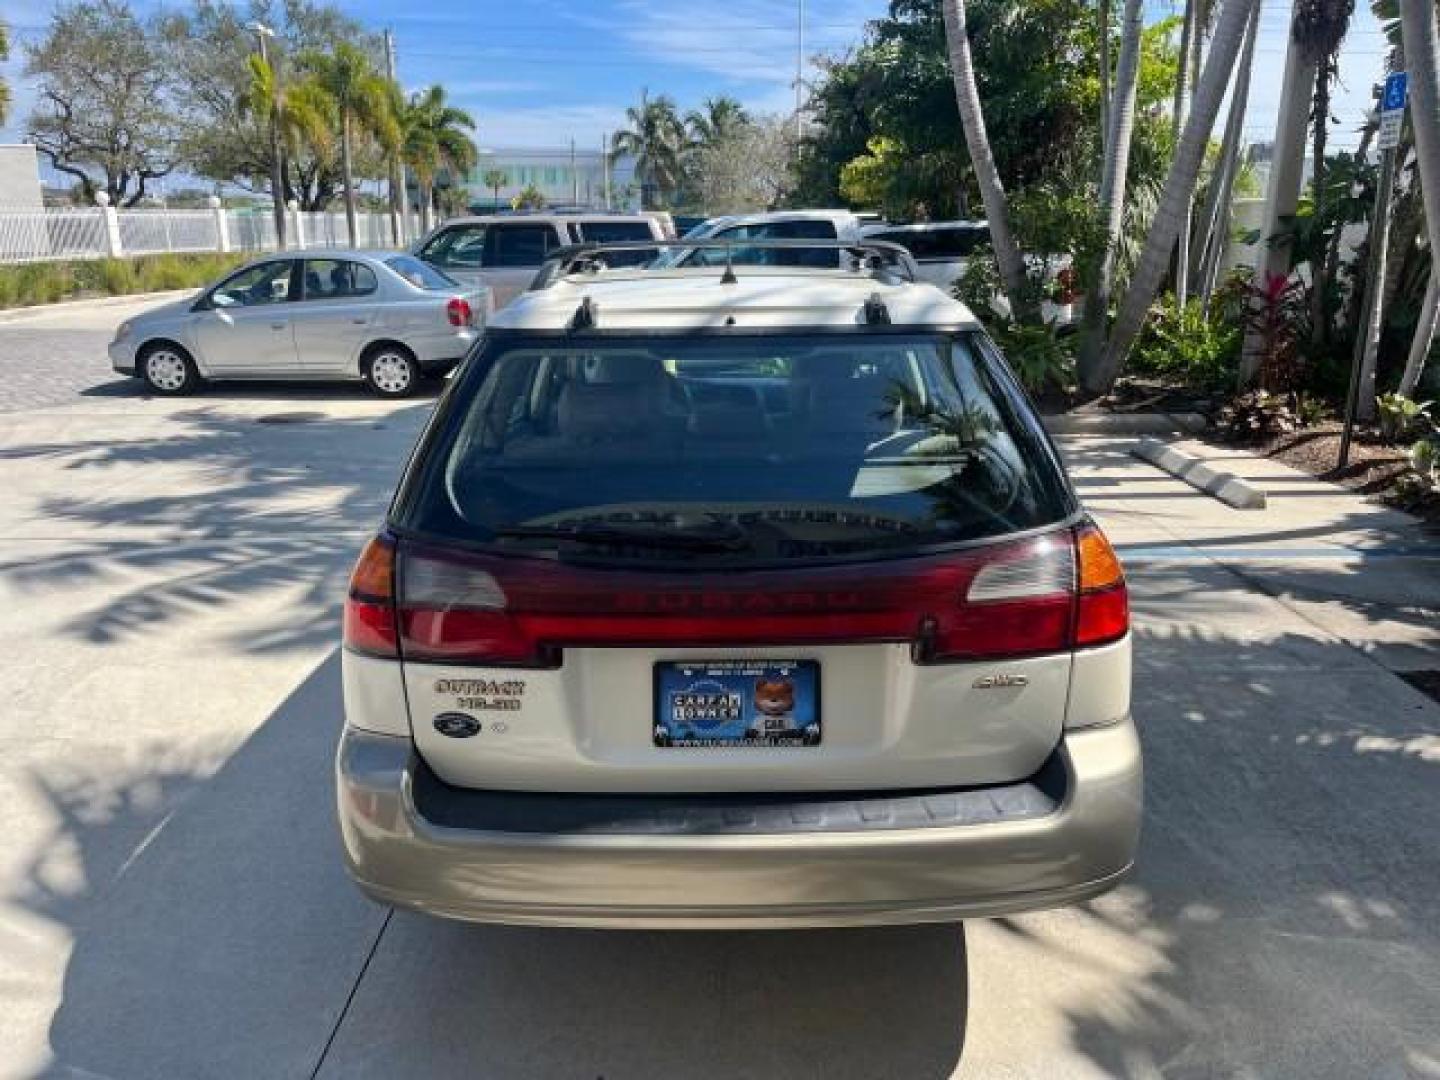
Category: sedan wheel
[168,370]
[392,373]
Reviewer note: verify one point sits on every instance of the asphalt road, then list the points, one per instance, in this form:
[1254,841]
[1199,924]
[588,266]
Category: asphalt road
[171,898]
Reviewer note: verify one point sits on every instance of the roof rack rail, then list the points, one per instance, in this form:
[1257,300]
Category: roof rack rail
[875,257]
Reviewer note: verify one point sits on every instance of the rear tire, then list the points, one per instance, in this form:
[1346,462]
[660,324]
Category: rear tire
[391,371]
[168,370]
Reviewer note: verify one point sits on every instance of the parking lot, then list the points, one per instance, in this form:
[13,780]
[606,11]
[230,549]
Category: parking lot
[172,902]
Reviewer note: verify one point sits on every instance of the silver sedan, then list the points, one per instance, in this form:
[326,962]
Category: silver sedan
[385,318]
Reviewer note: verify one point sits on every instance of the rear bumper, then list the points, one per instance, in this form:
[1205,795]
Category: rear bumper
[692,876]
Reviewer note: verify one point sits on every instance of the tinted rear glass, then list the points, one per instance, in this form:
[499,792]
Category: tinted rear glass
[420,274]
[947,243]
[815,446]
[611,231]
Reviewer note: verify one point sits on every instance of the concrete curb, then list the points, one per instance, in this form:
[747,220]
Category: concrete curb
[1227,487]
[1103,423]
[21,313]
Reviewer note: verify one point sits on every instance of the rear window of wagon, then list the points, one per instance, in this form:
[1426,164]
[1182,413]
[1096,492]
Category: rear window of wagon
[811,446]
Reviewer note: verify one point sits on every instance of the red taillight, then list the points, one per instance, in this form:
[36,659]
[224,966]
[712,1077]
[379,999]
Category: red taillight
[370,602]
[1013,599]
[458,311]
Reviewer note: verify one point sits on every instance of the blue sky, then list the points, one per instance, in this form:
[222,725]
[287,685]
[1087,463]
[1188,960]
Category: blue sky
[541,72]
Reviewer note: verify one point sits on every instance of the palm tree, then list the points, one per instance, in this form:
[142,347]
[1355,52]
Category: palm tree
[1215,218]
[656,140]
[1318,29]
[1422,58]
[362,105]
[721,118]
[987,176]
[1179,189]
[4,86]
[495,179]
[1103,13]
[1096,313]
[300,117]
[435,138]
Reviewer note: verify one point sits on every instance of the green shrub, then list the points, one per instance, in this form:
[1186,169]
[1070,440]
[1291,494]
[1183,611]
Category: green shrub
[1187,346]
[1401,419]
[1041,358]
[48,282]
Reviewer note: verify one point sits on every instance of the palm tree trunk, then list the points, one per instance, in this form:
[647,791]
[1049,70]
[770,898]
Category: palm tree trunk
[987,176]
[1104,14]
[1189,47]
[347,178]
[1096,311]
[1422,57]
[1424,333]
[1216,215]
[1179,186]
[1319,282]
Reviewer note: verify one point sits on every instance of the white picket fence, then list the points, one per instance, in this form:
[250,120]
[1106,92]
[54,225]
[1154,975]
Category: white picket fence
[30,235]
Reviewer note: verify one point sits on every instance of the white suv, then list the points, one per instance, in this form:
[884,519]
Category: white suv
[504,251]
[753,598]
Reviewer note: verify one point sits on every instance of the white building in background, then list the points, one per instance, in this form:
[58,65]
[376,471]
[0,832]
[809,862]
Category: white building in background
[19,178]
[565,177]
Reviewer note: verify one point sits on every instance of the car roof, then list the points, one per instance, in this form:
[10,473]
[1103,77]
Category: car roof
[544,215]
[693,298]
[921,226]
[726,220]
[361,254]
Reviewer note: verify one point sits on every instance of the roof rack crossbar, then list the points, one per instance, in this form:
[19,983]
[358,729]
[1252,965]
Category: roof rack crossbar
[871,256]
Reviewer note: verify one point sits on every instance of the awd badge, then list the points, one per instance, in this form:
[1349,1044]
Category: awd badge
[457,725]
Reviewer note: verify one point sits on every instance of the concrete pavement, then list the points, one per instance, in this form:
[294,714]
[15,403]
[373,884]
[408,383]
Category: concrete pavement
[172,904]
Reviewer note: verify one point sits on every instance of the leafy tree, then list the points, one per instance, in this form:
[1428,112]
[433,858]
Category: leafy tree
[656,140]
[530,198]
[103,114]
[495,179]
[748,167]
[209,47]
[4,86]
[361,101]
[434,139]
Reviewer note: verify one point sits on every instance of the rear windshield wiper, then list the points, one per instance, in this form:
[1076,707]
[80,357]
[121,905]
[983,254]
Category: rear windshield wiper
[618,535]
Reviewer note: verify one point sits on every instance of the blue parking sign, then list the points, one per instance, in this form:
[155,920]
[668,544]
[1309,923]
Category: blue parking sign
[1392,99]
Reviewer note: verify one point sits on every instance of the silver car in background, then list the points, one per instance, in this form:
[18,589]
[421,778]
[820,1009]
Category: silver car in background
[384,318]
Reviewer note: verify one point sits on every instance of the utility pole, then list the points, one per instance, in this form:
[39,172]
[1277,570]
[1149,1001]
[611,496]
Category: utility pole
[277,165]
[799,73]
[397,180]
[605,164]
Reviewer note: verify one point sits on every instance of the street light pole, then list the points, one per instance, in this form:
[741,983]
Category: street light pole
[396,180]
[799,71]
[277,182]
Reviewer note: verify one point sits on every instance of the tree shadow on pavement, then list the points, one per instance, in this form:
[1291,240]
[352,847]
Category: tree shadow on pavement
[215,935]
[1284,918]
[209,507]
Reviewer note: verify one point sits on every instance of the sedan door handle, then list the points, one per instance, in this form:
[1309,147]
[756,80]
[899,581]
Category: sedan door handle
[278,325]
[360,322]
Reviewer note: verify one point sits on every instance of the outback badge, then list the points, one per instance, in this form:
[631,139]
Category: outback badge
[457,725]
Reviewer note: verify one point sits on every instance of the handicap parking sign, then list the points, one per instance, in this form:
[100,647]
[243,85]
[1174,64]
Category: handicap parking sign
[1393,97]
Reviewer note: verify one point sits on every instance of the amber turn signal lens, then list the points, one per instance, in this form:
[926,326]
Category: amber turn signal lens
[1099,565]
[374,574]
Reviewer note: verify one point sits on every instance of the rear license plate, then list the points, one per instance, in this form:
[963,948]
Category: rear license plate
[737,703]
